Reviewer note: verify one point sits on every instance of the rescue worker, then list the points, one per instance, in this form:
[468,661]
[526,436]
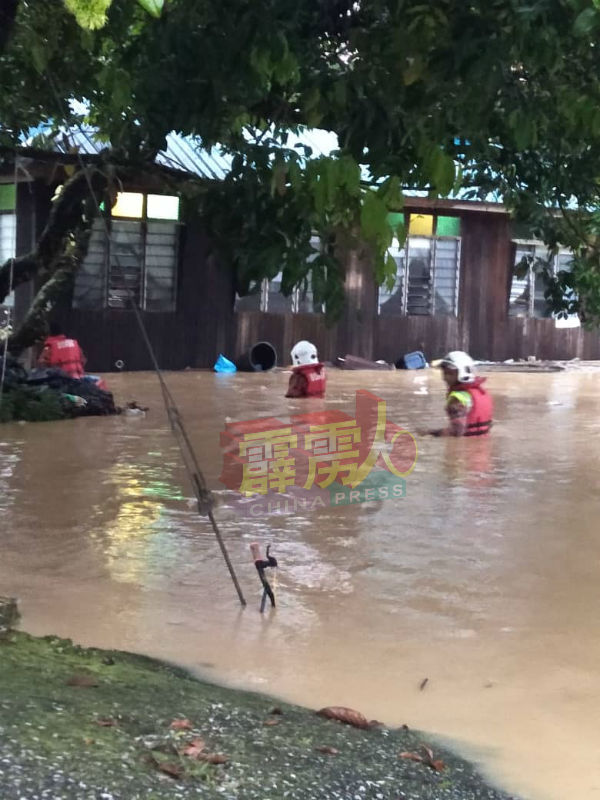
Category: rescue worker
[62,353]
[468,405]
[308,373]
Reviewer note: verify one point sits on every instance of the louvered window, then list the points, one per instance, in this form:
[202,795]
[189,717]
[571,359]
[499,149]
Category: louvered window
[8,227]
[528,287]
[427,269]
[132,256]
[266,295]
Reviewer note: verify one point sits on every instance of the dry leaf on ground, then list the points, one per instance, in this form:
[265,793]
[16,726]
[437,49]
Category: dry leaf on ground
[174,770]
[347,715]
[213,758]
[181,725]
[194,748]
[427,758]
[329,751]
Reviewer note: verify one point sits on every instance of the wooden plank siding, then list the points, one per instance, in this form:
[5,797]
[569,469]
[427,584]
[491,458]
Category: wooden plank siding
[192,336]
[204,323]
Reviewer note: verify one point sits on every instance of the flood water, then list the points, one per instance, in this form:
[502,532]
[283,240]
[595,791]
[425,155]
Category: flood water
[484,578]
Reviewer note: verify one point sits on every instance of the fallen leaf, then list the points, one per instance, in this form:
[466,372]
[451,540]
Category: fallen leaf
[423,683]
[213,758]
[194,749]
[329,751]
[106,722]
[435,764]
[89,741]
[87,681]
[427,758]
[347,715]
[412,756]
[174,770]
[269,722]
[181,725]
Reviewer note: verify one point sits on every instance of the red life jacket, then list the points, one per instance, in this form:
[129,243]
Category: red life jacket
[479,419]
[64,354]
[315,378]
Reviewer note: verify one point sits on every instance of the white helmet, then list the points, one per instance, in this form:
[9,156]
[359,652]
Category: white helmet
[304,353]
[462,363]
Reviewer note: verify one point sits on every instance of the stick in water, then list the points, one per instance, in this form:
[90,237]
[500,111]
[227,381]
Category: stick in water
[262,564]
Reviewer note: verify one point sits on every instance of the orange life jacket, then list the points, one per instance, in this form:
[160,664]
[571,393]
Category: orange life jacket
[315,378]
[64,354]
[479,419]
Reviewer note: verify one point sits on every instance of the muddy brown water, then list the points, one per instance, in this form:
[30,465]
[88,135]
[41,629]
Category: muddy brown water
[484,578]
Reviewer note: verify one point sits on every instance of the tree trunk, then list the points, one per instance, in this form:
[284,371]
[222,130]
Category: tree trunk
[58,254]
[67,217]
[34,328]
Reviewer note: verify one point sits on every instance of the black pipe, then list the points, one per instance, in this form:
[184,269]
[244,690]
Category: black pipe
[261,357]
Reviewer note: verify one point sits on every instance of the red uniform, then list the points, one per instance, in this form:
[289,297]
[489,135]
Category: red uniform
[307,380]
[64,354]
[479,418]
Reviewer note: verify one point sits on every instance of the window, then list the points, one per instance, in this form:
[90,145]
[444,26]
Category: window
[8,227]
[266,294]
[428,268]
[138,258]
[528,286]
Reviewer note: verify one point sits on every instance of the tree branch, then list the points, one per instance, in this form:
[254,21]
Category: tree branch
[67,216]
[33,327]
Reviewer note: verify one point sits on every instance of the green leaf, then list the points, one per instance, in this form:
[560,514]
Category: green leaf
[586,22]
[443,171]
[39,56]
[153,7]
[90,14]
[373,219]
[391,269]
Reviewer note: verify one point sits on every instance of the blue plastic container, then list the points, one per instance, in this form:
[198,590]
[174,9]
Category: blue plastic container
[414,360]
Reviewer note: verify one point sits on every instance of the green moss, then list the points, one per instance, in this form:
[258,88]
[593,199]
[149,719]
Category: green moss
[50,727]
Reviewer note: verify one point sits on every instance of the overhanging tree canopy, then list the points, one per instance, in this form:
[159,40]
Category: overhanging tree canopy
[494,95]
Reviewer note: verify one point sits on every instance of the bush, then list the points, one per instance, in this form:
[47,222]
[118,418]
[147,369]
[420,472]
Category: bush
[32,405]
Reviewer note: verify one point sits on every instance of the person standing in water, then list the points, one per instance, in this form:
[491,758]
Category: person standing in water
[468,405]
[308,373]
[62,353]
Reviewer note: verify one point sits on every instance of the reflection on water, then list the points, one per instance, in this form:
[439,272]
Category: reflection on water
[483,579]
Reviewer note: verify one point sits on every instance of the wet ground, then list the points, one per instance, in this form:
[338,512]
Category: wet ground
[483,579]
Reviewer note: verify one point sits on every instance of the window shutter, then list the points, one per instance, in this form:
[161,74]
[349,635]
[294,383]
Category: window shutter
[419,276]
[161,266]
[446,266]
[126,259]
[90,281]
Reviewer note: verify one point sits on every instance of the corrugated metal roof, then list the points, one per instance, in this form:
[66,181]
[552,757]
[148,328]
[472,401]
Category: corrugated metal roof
[186,153]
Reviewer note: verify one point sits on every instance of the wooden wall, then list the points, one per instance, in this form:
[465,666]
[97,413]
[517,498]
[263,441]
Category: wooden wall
[482,327]
[192,336]
[205,324]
